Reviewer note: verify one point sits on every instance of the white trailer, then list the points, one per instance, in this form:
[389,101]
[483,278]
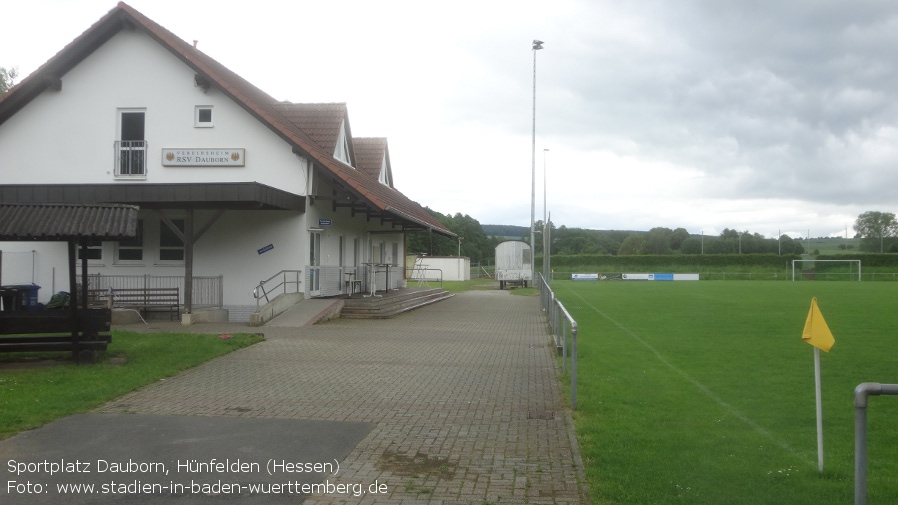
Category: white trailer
[514,263]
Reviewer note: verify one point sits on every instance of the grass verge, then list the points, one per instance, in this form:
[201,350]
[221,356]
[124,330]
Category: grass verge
[703,392]
[33,395]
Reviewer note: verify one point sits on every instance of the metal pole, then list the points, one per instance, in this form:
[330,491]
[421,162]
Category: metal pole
[547,250]
[537,45]
[573,366]
[819,410]
[545,222]
[861,392]
[564,344]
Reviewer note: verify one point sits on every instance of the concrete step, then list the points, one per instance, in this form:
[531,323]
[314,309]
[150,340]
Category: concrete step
[391,305]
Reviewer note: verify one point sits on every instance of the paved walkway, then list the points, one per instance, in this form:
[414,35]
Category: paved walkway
[462,394]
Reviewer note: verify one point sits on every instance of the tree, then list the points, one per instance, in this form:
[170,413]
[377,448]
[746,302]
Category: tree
[474,242]
[657,241]
[873,227]
[632,245]
[7,78]
[677,238]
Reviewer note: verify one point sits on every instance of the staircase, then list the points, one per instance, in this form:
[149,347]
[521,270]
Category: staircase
[391,303]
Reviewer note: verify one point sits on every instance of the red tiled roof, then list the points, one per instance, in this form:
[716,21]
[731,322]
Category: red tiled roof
[258,103]
[320,121]
[369,154]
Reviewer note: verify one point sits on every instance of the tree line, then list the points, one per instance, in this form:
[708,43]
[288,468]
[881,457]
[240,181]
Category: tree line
[478,245]
[877,231]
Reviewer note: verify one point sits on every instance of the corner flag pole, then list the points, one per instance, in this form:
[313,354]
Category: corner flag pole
[816,333]
[819,410]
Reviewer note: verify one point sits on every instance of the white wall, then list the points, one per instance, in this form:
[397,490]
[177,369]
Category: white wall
[41,263]
[67,136]
[453,268]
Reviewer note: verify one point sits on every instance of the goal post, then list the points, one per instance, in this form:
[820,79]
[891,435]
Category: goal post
[848,268]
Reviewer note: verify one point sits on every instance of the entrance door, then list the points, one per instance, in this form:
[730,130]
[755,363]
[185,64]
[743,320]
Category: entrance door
[314,263]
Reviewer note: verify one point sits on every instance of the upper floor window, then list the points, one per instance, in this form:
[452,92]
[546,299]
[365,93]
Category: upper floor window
[202,116]
[131,147]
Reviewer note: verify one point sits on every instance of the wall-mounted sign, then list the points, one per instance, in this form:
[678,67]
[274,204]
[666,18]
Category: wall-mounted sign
[325,222]
[265,249]
[200,157]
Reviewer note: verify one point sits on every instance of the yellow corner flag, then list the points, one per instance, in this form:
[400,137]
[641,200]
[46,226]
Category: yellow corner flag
[816,332]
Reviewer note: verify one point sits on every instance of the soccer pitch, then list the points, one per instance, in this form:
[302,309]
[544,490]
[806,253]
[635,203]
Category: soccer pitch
[703,392]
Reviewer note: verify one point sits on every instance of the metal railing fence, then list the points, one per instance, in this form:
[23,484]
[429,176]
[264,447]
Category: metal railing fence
[419,275]
[861,393]
[208,291]
[284,278]
[564,331]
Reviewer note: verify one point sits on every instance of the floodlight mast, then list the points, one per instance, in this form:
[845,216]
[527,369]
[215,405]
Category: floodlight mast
[537,45]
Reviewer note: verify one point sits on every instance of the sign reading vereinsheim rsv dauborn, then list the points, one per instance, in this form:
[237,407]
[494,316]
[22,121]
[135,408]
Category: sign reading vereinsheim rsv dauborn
[204,157]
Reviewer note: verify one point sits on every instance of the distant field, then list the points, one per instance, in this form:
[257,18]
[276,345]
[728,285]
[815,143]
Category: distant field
[703,392]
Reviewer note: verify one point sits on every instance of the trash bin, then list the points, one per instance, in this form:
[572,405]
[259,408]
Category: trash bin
[27,296]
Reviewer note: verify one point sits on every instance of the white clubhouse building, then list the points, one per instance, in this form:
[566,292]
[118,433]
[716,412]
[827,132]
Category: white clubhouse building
[234,187]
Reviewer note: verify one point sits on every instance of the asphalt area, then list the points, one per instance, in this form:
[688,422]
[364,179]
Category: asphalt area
[143,458]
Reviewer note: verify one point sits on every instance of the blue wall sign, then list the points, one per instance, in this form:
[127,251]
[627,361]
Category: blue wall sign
[324,222]
[265,249]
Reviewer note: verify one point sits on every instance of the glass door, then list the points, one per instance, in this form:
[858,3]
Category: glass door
[314,263]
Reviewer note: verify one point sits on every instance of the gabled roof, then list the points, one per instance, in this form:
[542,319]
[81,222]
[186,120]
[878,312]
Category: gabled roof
[387,202]
[51,222]
[320,121]
[370,155]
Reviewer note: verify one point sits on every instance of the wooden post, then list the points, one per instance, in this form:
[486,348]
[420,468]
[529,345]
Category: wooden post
[188,261]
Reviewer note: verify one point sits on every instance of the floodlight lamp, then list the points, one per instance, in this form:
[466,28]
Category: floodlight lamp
[537,44]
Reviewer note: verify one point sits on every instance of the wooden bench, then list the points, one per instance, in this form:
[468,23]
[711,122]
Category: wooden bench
[141,299]
[30,331]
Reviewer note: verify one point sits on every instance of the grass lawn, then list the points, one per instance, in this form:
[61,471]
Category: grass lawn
[34,395]
[703,392]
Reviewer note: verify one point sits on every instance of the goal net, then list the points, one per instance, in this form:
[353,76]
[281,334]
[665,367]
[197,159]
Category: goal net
[826,270]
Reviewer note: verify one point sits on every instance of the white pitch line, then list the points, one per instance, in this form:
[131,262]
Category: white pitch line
[701,387]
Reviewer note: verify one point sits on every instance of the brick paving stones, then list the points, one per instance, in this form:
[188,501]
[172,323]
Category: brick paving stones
[463,395]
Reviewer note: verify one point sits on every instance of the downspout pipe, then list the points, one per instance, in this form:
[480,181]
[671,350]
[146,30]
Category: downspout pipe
[861,393]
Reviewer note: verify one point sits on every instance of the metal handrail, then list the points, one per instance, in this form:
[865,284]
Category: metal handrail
[861,393]
[420,279]
[560,319]
[261,288]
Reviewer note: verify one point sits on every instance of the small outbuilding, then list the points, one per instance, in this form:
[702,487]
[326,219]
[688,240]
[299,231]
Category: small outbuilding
[76,327]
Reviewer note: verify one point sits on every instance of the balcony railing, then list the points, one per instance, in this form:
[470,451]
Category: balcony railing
[131,158]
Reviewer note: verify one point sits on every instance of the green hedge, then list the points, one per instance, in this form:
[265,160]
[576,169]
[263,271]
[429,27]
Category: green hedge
[867,260]
[681,263]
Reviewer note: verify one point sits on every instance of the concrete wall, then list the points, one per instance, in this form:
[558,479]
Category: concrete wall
[453,268]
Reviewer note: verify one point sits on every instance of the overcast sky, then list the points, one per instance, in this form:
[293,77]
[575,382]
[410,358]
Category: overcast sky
[764,115]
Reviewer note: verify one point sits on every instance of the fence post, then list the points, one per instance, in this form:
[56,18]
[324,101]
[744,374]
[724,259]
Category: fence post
[861,392]
[564,345]
[573,366]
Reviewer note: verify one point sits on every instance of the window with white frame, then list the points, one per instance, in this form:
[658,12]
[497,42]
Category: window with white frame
[131,249]
[171,247]
[202,116]
[131,146]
